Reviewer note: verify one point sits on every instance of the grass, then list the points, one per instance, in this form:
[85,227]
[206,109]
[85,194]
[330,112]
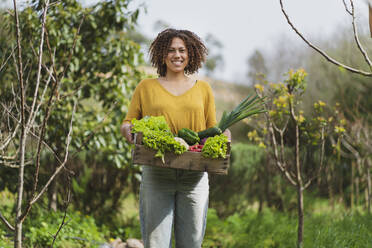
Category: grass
[274,229]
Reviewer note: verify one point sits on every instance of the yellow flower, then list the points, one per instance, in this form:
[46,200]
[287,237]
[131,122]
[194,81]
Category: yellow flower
[321,103]
[262,145]
[321,119]
[272,112]
[281,101]
[300,118]
[259,87]
[251,135]
[339,129]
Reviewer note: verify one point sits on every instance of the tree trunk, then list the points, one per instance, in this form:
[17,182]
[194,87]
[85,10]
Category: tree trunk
[267,183]
[329,183]
[18,225]
[352,185]
[369,186]
[300,203]
[341,188]
[299,184]
[18,222]
[357,191]
[53,195]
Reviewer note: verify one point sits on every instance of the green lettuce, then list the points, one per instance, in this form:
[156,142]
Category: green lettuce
[157,135]
[215,147]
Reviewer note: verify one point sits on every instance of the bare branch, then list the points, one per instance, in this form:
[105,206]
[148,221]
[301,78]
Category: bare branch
[356,37]
[63,223]
[321,162]
[39,63]
[320,51]
[346,8]
[60,167]
[34,135]
[14,164]
[297,145]
[351,149]
[9,157]
[6,61]
[68,140]
[9,138]
[42,96]
[7,224]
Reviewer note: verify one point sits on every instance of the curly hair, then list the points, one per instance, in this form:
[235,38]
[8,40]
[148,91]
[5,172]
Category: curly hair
[197,51]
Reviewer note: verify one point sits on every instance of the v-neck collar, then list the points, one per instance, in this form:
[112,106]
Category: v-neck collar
[167,91]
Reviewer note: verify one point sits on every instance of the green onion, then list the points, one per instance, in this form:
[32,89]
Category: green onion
[251,105]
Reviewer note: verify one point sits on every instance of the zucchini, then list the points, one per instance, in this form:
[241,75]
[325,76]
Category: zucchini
[189,136]
[210,132]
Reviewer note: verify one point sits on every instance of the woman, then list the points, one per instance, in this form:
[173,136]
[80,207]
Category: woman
[173,197]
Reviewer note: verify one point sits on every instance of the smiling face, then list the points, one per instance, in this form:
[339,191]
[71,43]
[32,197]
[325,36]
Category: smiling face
[177,57]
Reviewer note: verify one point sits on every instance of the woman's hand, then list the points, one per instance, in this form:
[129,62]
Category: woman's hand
[126,131]
[228,134]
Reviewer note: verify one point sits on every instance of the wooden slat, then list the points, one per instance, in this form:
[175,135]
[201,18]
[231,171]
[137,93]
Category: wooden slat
[187,161]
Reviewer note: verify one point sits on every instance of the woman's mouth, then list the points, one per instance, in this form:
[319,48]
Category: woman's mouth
[177,62]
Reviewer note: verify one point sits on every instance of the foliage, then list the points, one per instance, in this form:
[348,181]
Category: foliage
[100,73]
[98,185]
[283,98]
[79,231]
[234,192]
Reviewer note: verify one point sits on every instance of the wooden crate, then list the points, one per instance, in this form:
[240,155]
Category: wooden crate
[187,161]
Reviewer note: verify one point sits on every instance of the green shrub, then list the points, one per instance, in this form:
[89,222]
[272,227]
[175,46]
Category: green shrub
[79,230]
[233,192]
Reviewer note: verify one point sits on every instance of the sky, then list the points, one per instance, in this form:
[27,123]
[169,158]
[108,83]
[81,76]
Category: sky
[245,25]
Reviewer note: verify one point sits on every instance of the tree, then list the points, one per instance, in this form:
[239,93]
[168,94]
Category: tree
[214,58]
[291,136]
[70,63]
[256,67]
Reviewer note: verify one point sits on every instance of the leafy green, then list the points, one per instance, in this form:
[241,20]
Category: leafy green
[215,147]
[150,123]
[157,135]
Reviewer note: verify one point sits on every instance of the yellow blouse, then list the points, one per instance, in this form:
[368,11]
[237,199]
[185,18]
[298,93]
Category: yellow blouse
[194,109]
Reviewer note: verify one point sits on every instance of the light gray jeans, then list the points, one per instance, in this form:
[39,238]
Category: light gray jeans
[173,198]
